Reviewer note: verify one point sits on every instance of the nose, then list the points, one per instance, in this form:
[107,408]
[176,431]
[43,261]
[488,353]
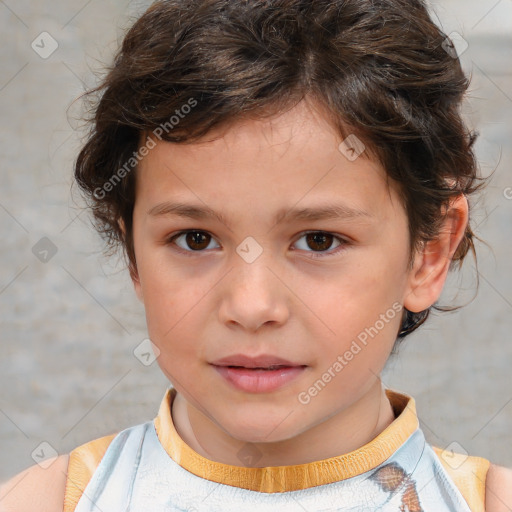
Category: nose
[252,296]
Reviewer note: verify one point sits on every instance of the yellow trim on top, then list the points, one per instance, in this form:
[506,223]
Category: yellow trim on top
[82,464]
[469,474]
[294,477]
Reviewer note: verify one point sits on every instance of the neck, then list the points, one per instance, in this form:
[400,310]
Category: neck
[361,422]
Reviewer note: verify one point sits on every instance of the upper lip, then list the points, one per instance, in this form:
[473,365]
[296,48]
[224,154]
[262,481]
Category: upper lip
[261,361]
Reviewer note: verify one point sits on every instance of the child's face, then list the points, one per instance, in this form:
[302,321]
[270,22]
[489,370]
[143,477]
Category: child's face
[337,315]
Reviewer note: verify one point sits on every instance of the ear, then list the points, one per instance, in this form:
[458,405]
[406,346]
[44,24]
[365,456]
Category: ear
[431,264]
[134,274]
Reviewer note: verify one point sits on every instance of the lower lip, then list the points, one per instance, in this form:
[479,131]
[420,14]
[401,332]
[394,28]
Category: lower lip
[259,381]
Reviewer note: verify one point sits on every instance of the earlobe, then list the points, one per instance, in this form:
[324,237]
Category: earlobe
[432,262]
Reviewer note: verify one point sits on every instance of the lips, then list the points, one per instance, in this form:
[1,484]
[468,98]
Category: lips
[264,361]
[262,374]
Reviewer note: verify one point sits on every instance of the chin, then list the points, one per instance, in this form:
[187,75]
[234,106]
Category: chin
[257,429]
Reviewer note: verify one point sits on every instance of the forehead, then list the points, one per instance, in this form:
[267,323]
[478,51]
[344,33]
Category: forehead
[265,166]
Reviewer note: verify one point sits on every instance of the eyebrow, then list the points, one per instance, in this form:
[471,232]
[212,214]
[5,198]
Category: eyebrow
[323,212]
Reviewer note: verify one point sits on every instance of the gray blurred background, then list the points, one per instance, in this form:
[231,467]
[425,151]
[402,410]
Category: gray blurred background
[70,321]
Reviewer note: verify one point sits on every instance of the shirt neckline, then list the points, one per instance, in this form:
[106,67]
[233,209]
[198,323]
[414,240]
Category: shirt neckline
[274,479]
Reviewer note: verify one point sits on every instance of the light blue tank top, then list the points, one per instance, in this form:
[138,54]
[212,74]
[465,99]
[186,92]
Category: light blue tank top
[136,474]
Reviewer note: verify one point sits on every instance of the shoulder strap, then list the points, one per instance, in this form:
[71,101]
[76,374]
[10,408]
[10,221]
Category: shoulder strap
[82,464]
[469,475]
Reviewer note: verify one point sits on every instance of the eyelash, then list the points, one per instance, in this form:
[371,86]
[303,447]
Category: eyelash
[314,255]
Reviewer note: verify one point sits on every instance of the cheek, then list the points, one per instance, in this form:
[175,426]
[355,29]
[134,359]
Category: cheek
[359,306]
[164,298]
[351,292]
[174,305]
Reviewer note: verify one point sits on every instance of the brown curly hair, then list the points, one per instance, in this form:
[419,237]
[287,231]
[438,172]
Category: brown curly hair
[380,69]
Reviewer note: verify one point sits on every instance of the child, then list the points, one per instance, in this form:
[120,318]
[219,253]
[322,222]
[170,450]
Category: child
[289,181]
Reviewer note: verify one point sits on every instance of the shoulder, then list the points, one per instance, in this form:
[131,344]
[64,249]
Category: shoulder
[36,488]
[498,489]
[468,473]
[48,489]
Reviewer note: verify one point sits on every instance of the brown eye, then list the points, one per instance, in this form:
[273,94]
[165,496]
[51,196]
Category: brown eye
[319,241]
[192,241]
[196,240]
